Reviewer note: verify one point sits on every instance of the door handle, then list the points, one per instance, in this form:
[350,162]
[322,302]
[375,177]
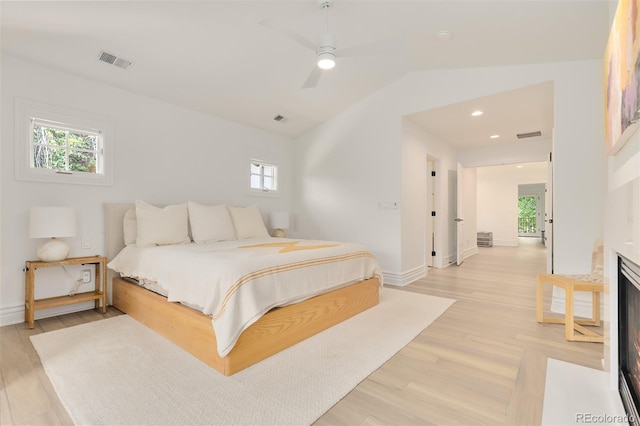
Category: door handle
[458,220]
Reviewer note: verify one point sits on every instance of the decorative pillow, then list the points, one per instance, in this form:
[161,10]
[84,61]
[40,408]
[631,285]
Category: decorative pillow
[248,222]
[161,226]
[210,223]
[130,227]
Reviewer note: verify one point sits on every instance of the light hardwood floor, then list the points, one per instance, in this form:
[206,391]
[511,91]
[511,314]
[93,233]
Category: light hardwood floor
[482,362]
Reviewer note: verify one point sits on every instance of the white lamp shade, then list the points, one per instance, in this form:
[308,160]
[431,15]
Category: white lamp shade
[52,222]
[279,220]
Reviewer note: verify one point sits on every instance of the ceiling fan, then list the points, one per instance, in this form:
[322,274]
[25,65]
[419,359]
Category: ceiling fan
[326,48]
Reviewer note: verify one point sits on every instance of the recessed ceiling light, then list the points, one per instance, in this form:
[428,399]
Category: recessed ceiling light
[494,136]
[477,113]
[519,167]
[444,35]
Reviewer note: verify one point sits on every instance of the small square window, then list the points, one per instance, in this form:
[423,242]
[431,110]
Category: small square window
[263,176]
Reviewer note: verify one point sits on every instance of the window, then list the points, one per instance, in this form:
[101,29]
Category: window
[263,176]
[57,147]
[60,145]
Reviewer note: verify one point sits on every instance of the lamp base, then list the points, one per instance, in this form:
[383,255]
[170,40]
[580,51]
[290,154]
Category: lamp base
[53,251]
[278,233]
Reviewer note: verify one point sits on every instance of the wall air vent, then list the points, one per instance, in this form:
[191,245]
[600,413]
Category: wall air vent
[529,135]
[114,60]
[279,118]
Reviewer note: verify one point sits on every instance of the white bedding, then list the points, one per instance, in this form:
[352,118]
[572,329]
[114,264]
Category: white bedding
[236,282]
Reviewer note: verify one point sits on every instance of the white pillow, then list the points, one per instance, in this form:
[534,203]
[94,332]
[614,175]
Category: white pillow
[248,222]
[210,223]
[130,227]
[161,226]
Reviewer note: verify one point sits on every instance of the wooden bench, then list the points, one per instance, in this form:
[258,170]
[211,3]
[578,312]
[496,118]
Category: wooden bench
[571,324]
[592,283]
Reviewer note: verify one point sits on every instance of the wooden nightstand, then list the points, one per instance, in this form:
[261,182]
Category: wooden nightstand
[99,294]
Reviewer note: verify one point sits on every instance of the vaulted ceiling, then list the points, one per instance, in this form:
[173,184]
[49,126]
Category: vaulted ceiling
[225,58]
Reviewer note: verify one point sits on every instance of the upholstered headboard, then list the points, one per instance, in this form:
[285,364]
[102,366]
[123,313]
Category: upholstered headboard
[114,233]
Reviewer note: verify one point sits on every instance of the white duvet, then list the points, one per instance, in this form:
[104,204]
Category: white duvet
[236,282]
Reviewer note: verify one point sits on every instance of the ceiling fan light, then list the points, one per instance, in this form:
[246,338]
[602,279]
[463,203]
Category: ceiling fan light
[326,60]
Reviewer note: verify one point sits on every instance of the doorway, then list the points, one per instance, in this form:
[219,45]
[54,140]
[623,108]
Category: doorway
[531,209]
[527,216]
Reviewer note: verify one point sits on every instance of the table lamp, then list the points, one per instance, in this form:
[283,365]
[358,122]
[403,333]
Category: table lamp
[53,223]
[279,222]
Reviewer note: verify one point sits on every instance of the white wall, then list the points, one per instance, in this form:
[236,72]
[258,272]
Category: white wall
[498,199]
[348,164]
[414,205]
[416,145]
[522,152]
[343,169]
[623,215]
[622,234]
[470,211]
[579,172]
[163,154]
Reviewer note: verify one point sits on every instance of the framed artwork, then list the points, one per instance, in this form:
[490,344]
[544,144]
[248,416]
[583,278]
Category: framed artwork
[622,76]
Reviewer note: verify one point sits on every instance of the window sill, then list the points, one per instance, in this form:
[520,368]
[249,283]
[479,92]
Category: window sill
[268,194]
[53,177]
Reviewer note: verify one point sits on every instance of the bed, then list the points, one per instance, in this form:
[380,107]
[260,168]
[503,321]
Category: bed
[264,334]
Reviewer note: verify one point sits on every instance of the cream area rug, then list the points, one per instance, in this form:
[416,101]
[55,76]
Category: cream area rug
[117,371]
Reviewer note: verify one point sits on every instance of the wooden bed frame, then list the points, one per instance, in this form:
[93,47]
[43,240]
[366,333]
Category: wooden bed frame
[278,329]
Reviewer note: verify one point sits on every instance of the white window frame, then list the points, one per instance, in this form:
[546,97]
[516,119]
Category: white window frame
[30,112]
[262,190]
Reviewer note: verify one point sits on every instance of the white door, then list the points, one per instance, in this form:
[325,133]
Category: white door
[459,220]
[548,215]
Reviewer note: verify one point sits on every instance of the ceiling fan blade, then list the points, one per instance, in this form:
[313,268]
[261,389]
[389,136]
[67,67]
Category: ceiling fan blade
[312,80]
[288,33]
[382,47]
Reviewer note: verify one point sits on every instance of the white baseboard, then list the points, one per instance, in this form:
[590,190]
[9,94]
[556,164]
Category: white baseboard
[470,252]
[404,278]
[11,315]
[451,259]
[15,314]
[581,303]
[505,243]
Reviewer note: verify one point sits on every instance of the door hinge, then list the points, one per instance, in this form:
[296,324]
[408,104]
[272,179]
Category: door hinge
[433,253]
[433,213]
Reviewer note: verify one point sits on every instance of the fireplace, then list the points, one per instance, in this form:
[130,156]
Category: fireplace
[629,337]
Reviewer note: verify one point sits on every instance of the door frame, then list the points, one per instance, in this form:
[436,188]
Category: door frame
[431,228]
[459,216]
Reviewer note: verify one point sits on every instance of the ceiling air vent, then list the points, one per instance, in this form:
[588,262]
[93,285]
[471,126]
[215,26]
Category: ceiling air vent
[529,135]
[114,60]
[279,118]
